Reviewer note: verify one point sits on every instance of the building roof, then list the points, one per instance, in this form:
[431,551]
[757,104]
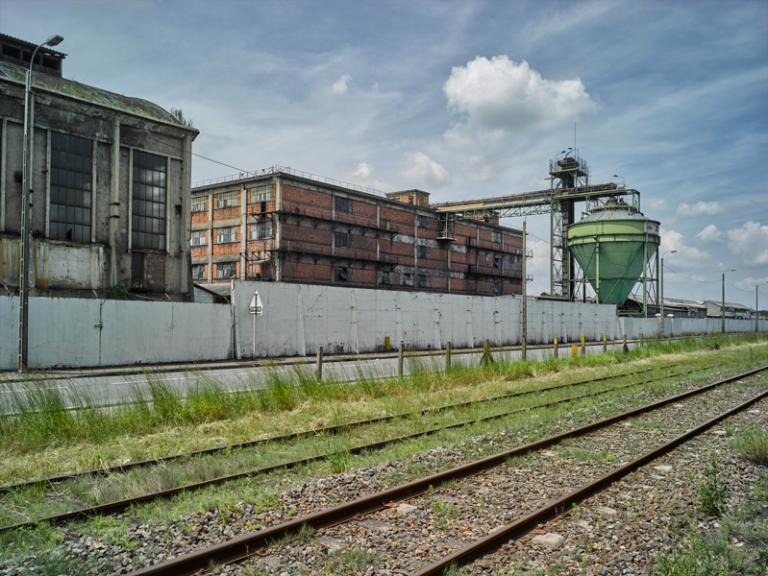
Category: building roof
[735,305]
[70,88]
[31,46]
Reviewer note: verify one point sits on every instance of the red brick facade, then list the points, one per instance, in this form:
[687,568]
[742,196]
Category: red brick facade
[287,228]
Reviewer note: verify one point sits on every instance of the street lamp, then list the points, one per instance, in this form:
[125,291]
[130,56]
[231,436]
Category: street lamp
[661,293]
[722,310]
[26,190]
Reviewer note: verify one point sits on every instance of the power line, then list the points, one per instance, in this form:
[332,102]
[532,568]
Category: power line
[219,162]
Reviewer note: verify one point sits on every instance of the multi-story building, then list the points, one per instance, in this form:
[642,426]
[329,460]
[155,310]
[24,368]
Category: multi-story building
[110,185]
[287,226]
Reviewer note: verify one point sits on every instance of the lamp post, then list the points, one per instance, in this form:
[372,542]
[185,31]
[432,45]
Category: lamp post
[722,310]
[26,189]
[661,293]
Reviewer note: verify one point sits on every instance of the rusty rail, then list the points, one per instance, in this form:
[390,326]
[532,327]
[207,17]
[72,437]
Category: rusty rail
[242,547]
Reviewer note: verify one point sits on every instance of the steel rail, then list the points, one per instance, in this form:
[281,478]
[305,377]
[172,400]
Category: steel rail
[244,546]
[118,506]
[555,508]
[334,429]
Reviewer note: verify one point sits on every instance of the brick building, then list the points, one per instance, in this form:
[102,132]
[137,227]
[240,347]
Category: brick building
[286,226]
[110,185]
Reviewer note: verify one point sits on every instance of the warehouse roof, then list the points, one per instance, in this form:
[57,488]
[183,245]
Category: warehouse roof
[54,84]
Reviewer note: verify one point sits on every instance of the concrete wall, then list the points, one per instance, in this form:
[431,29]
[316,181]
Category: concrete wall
[298,318]
[72,332]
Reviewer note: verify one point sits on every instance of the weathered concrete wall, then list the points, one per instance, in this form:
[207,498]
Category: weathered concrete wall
[76,332]
[298,318]
[649,327]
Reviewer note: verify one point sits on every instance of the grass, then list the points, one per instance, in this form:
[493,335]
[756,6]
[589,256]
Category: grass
[263,492]
[713,493]
[752,444]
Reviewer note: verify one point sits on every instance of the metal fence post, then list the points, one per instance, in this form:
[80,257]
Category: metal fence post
[448,356]
[556,344]
[605,344]
[319,363]
[583,345]
[400,355]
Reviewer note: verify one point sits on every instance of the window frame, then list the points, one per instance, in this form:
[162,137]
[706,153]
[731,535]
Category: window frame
[70,179]
[220,267]
[342,204]
[149,201]
[232,235]
[201,235]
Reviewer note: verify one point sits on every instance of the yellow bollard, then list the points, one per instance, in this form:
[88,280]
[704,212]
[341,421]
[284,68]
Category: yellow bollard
[556,347]
[574,351]
[387,344]
[605,344]
[583,345]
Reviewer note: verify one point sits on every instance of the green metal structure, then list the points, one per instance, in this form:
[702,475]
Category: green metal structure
[613,245]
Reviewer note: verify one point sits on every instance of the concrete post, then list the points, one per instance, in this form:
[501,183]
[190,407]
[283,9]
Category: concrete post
[583,345]
[556,345]
[400,358]
[319,364]
[605,344]
[448,356]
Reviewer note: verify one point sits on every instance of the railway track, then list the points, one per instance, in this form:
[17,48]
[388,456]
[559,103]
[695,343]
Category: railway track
[334,429]
[118,506]
[247,545]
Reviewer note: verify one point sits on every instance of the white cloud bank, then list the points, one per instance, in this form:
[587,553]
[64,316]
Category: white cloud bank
[709,234]
[499,93]
[700,209]
[363,170]
[686,256]
[424,170]
[750,243]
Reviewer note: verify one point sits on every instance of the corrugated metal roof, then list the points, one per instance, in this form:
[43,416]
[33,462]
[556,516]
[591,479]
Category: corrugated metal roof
[55,84]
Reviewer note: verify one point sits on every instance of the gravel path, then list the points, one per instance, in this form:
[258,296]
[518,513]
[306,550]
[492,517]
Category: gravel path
[402,538]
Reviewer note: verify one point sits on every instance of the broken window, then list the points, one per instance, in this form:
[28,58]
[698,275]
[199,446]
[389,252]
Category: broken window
[198,271]
[226,270]
[198,238]
[497,261]
[227,200]
[423,221]
[406,279]
[341,273]
[342,204]
[385,277]
[496,236]
[422,280]
[148,201]
[198,204]
[421,251]
[262,230]
[342,239]
[261,193]
[226,235]
[71,187]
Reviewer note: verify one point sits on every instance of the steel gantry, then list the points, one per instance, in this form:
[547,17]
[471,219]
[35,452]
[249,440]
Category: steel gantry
[569,183]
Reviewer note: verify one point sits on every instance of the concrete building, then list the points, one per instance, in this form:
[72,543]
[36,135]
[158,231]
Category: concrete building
[110,182]
[732,309]
[286,226]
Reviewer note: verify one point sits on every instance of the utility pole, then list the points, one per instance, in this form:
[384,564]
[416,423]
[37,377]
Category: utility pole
[26,190]
[524,305]
[757,312]
[661,300]
[722,309]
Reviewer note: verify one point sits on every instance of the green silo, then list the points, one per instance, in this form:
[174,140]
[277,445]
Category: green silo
[612,245]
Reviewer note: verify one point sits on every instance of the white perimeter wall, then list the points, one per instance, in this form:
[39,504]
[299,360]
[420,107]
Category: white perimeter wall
[71,332]
[75,332]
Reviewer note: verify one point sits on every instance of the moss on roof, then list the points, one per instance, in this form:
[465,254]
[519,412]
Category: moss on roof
[55,84]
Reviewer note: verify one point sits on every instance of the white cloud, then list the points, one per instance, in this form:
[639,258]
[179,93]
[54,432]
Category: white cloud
[700,209]
[709,234]
[499,93]
[750,243]
[657,203]
[341,85]
[424,170]
[363,170]
[750,282]
[686,256]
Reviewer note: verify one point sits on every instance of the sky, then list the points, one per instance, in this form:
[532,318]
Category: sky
[465,99]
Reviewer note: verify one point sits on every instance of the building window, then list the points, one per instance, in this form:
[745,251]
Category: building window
[262,193]
[497,261]
[496,286]
[422,280]
[341,273]
[71,187]
[198,204]
[421,251]
[198,271]
[496,236]
[198,238]
[227,200]
[149,201]
[262,230]
[423,221]
[342,239]
[342,204]
[406,279]
[385,277]
[226,270]
[226,235]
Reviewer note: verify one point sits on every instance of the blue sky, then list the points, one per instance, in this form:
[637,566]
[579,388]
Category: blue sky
[465,99]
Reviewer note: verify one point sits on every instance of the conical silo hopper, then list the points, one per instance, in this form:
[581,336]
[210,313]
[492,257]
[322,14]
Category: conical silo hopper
[612,245]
